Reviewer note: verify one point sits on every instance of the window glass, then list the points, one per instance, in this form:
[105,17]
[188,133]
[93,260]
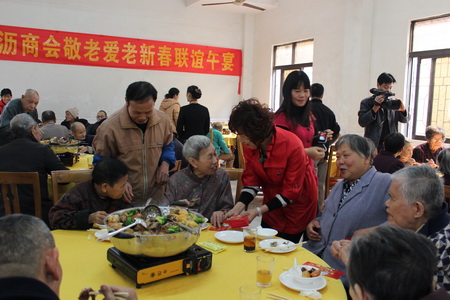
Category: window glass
[431,34]
[304,52]
[283,55]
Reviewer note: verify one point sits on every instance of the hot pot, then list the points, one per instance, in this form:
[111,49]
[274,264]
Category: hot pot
[161,245]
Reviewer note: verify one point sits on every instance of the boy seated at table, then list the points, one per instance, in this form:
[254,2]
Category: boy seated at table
[78,131]
[91,201]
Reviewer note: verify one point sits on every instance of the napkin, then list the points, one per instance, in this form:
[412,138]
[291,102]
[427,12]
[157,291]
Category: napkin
[213,247]
[311,294]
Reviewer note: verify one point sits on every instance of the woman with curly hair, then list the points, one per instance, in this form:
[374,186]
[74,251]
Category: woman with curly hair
[275,160]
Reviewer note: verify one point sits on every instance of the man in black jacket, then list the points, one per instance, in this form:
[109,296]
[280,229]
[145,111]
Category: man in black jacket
[325,120]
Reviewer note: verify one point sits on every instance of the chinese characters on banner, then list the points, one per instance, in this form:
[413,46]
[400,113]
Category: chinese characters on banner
[60,47]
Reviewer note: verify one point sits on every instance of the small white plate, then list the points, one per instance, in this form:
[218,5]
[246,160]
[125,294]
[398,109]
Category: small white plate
[280,243]
[230,236]
[287,280]
[99,226]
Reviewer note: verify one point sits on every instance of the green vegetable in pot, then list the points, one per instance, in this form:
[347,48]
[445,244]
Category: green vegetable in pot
[173,229]
[132,212]
[128,221]
[161,219]
[199,220]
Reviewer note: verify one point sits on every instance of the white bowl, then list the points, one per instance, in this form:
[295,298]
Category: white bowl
[266,233]
[297,274]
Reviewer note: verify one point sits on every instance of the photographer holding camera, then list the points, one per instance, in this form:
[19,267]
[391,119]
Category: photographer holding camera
[379,114]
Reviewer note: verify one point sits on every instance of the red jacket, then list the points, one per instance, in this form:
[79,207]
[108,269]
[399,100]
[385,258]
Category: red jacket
[286,171]
[2,105]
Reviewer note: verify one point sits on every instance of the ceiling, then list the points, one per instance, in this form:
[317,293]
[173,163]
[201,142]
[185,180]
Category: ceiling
[233,8]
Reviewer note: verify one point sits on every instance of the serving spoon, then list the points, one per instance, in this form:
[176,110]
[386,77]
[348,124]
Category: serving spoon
[101,237]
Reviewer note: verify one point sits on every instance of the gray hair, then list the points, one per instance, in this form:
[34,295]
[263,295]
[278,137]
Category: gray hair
[444,161]
[24,239]
[21,125]
[218,126]
[421,184]
[30,92]
[361,145]
[194,145]
[402,263]
[432,130]
[75,125]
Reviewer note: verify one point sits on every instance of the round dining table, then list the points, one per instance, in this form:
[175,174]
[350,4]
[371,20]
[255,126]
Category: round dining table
[84,264]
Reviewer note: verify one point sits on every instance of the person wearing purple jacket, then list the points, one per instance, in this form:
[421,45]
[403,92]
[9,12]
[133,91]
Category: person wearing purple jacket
[386,161]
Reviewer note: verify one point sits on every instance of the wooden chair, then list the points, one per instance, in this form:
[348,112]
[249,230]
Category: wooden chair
[333,173]
[236,173]
[447,195]
[11,180]
[67,176]
[176,168]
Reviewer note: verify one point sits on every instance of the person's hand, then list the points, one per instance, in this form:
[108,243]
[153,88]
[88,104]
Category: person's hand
[217,218]
[432,163]
[97,217]
[340,250]
[411,162]
[236,210]
[378,99]
[329,134]
[108,293]
[162,175]
[82,149]
[315,153]
[312,230]
[128,193]
[109,290]
[251,214]
[402,106]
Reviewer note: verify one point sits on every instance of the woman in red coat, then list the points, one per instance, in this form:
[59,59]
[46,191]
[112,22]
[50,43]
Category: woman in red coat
[275,160]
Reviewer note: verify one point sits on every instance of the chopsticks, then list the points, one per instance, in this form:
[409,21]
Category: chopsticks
[283,247]
[117,295]
[277,297]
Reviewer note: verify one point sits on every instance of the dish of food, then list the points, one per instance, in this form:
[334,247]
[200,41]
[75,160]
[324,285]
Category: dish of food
[166,224]
[230,236]
[287,279]
[62,145]
[269,243]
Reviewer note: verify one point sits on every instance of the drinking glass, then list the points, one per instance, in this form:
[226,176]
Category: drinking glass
[264,270]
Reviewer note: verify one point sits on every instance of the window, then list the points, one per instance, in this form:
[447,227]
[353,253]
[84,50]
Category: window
[429,72]
[287,58]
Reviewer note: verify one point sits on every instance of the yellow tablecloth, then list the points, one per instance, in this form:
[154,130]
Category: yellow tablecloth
[84,264]
[82,163]
[230,139]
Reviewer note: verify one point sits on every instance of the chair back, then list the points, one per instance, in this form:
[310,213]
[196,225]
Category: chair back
[67,176]
[176,168]
[333,173]
[11,194]
[236,174]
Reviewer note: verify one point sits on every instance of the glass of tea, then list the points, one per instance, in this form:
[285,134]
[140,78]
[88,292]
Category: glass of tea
[249,239]
[264,270]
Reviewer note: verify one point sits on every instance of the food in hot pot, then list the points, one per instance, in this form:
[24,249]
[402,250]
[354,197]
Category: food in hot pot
[155,225]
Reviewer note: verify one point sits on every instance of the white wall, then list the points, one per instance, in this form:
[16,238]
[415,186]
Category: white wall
[354,41]
[93,88]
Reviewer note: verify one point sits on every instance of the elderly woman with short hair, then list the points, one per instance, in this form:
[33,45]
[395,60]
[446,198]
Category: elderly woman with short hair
[355,203]
[428,152]
[202,183]
[416,203]
[26,154]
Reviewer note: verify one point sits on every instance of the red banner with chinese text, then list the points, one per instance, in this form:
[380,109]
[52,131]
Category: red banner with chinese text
[61,47]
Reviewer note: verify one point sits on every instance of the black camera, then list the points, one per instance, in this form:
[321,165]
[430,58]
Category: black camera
[387,103]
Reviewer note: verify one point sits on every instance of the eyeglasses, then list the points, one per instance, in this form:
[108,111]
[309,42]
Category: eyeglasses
[437,140]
